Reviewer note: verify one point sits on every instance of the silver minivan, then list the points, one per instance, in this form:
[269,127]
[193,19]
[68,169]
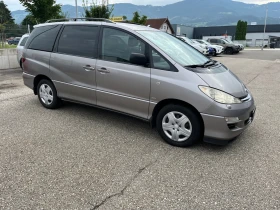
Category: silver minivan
[138,71]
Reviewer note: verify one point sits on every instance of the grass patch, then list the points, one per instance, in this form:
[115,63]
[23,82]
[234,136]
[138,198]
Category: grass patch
[7,46]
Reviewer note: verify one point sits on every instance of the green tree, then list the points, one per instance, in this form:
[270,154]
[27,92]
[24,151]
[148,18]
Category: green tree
[94,10]
[5,20]
[5,14]
[29,20]
[138,19]
[43,10]
[241,30]
[244,30]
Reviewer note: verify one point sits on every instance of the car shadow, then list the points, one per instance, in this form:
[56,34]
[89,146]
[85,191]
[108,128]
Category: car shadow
[122,121]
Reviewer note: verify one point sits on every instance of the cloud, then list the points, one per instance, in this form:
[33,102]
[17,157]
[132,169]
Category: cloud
[257,1]
[15,5]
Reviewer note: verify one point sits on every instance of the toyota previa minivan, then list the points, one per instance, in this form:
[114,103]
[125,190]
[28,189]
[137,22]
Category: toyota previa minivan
[138,71]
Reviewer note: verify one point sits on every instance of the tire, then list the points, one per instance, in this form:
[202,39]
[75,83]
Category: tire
[215,53]
[47,94]
[189,131]
[229,51]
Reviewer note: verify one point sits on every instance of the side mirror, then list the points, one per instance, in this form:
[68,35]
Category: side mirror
[138,59]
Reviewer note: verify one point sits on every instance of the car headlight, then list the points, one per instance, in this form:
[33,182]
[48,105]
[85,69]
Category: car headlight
[219,96]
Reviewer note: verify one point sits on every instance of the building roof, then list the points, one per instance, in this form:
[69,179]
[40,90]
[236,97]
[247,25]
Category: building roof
[157,23]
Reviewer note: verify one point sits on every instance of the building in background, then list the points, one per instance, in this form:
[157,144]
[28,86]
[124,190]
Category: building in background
[162,24]
[254,35]
[182,30]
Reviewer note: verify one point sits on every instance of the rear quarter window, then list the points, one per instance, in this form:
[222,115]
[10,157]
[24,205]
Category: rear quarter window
[43,38]
[23,41]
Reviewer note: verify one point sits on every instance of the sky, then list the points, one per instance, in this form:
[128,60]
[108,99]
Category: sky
[15,5]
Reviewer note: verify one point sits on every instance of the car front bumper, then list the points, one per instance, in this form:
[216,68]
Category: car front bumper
[219,51]
[216,127]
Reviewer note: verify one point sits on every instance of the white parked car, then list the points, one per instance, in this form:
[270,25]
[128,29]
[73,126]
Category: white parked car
[202,45]
[20,48]
[195,45]
[218,49]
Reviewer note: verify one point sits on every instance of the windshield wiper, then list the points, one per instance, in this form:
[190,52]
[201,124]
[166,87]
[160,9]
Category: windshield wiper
[207,63]
[195,66]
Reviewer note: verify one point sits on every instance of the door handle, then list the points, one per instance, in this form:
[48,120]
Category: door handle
[88,68]
[103,70]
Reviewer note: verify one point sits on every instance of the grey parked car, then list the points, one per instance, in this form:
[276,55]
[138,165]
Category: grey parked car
[139,71]
[229,48]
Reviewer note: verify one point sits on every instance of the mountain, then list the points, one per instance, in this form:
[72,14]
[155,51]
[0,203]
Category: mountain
[190,12]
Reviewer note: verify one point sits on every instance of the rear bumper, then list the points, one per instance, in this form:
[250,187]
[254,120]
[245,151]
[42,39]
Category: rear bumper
[216,127]
[28,80]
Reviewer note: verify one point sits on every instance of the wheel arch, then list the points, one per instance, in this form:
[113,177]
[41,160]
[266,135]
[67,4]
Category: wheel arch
[166,102]
[36,81]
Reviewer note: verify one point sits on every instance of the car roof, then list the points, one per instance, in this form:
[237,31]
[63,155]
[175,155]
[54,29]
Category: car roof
[130,26]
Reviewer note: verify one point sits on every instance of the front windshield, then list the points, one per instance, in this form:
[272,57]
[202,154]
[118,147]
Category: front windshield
[178,50]
[205,42]
[187,40]
[228,41]
[196,42]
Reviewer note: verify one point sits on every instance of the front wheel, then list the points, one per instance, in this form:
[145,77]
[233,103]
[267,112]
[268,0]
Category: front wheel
[47,94]
[179,126]
[215,53]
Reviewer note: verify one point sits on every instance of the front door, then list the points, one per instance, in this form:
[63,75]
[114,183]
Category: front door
[121,85]
[73,61]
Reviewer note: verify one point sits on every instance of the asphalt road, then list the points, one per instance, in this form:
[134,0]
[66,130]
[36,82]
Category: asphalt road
[79,157]
[266,54]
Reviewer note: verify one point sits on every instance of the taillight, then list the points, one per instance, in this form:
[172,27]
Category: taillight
[23,59]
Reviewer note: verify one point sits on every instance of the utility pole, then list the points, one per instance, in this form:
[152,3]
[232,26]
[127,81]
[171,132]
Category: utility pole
[264,27]
[76,8]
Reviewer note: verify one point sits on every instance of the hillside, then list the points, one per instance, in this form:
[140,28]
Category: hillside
[189,12]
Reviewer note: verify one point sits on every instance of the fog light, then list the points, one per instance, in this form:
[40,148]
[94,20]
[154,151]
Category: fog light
[231,120]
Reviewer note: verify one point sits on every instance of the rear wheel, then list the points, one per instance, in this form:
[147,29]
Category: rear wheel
[47,94]
[229,51]
[179,125]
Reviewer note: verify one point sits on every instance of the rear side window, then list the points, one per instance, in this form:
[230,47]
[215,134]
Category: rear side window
[219,41]
[213,40]
[43,38]
[79,41]
[23,41]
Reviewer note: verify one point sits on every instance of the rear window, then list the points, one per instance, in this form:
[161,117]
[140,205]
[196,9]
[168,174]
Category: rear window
[43,38]
[23,41]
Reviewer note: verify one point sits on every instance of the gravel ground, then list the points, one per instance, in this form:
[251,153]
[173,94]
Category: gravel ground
[79,157]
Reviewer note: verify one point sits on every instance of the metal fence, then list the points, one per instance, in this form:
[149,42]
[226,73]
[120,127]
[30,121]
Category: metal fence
[10,32]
